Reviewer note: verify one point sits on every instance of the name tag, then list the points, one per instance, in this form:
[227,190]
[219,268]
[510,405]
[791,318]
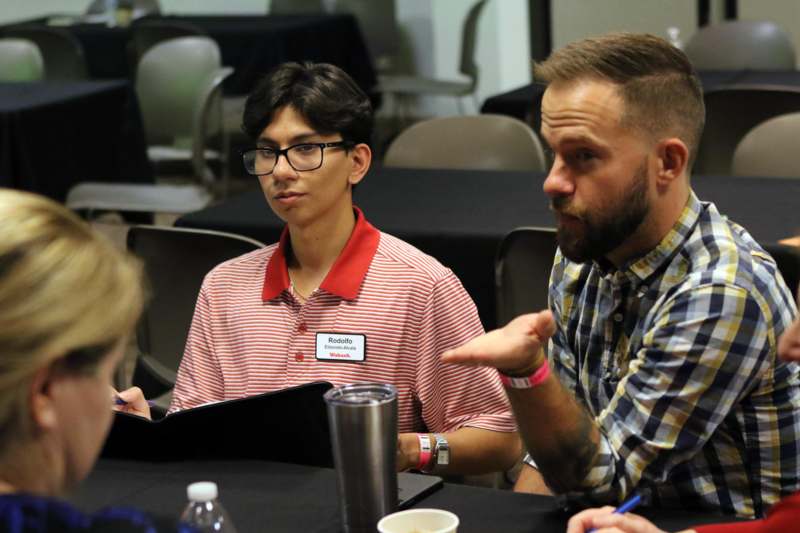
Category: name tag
[348,347]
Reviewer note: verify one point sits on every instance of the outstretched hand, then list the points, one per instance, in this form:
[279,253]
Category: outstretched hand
[518,345]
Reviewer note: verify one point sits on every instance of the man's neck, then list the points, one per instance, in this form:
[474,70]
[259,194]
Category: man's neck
[652,230]
[315,248]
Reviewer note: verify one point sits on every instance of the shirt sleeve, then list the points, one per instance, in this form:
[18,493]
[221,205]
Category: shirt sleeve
[455,396]
[706,349]
[199,379]
[781,518]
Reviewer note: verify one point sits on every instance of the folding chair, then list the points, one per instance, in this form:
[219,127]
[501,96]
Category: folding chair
[522,271]
[176,260]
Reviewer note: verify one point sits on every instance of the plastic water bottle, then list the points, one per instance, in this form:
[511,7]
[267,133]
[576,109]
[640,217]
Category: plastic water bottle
[204,512]
[674,37]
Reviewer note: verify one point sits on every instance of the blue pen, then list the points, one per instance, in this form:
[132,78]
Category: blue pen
[627,505]
[119,401]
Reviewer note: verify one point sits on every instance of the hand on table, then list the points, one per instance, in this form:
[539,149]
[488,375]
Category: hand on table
[603,520]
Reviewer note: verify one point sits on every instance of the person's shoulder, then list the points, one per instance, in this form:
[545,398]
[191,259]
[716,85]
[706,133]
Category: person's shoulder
[396,254]
[244,266]
[38,513]
[720,251]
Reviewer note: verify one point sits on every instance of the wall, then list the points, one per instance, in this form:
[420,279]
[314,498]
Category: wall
[432,30]
[576,19]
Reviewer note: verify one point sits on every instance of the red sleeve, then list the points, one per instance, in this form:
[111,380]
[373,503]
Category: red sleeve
[783,517]
[199,379]
[455,396]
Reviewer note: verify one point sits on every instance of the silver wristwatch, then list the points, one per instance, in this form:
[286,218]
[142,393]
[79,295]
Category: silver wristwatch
[441,454]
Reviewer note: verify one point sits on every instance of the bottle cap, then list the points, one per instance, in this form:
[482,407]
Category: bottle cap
[202,491]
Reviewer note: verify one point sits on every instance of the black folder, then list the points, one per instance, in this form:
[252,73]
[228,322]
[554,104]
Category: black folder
[290,426]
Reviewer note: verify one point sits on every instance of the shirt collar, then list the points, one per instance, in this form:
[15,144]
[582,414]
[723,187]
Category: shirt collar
[347,272]
[645,266]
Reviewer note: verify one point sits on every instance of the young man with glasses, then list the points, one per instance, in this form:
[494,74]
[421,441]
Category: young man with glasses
[337,300]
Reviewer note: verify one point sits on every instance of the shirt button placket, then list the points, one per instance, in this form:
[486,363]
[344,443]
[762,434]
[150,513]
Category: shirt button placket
[300,330]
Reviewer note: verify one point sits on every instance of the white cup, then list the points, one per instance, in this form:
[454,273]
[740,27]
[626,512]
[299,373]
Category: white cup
[419,521]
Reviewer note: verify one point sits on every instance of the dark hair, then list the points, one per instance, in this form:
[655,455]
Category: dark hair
[323,94]
[658,85]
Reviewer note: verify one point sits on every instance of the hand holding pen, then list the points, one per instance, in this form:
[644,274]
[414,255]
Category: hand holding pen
[131,401]
[610,519]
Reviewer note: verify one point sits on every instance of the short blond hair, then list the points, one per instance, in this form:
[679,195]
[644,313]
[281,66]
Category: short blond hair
[67,295]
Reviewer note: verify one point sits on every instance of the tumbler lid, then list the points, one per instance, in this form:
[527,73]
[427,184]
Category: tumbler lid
[362,394]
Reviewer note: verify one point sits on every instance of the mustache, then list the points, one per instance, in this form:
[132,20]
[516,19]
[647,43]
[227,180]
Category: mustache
[560,204]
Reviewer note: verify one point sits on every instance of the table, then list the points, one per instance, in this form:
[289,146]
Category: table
[460,216]
[523,102]
[252,45]
[55,134]
[279,497]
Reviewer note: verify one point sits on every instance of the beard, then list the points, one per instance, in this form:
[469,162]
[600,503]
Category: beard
[590,236]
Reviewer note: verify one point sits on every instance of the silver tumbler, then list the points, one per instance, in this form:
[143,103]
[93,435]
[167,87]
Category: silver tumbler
[363,422]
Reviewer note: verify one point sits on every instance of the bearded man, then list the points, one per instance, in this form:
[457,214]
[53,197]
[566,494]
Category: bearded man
[663,315]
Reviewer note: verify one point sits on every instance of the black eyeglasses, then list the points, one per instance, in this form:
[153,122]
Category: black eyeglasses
[301,157]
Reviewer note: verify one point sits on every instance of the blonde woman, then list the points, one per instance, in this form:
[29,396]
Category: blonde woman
[68,300]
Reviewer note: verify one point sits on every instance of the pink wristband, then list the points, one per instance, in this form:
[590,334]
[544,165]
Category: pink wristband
[527,382]
[424,450]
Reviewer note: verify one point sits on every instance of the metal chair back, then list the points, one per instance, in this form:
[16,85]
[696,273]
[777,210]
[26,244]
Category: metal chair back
[733,111]
[741,44]
[176,260]
[147,33]
[768,149]
[522,272]
[478,142]
[20,60]
[62,53]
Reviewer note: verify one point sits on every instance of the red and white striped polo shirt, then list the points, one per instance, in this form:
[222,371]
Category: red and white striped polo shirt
[249,334]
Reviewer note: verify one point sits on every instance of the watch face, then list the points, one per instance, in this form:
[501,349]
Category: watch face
[444,456]
[442,451]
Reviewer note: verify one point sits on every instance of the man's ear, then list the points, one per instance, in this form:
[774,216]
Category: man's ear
[41,401]
[361,156]
[673,160]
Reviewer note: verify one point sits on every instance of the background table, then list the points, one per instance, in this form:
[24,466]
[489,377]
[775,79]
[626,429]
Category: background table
[278,497]
[523,103]
[55,134]
[252,45]
[460,216]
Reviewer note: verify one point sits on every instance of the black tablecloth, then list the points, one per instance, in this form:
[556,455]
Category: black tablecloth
[278,497]
[55,134]
[252,45]
[523,103]
[460,216]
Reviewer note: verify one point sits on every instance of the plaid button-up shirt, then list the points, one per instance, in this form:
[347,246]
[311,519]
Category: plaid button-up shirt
[674,356]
